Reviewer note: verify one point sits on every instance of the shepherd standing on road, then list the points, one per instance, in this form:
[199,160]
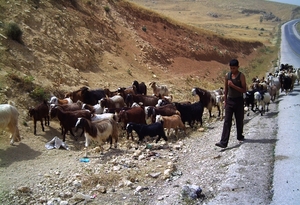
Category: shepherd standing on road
[235,86]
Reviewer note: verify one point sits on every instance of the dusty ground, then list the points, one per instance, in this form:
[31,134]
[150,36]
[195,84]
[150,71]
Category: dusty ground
[83,45]
[31,174]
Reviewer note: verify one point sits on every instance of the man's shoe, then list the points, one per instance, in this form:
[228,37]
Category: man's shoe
[219,144]
[242,138]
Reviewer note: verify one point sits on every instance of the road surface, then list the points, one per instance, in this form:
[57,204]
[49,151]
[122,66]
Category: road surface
[286,179]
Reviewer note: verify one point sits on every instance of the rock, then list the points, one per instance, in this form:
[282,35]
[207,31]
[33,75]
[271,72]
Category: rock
[160,198]
[171,166]
[155,175]
[116,168]
[126,183]
[167,174]
[24,189]
[139,189]
[54,201]
[101,189]
[141,157]
[192,191]
[137,153]
[76,183]
[177,147]
[80,196]
[201,129]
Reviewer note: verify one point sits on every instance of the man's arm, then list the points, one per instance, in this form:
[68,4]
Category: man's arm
[225,87]
[242,89]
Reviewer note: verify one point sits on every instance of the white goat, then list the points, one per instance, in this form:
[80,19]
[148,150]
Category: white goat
[135,104]
[9,121]
[55,100]
[103,116]
[96,109]
[262,103]
[159,90]
[219,96]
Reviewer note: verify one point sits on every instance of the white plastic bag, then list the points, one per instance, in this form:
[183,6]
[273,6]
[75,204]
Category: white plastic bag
[56,143]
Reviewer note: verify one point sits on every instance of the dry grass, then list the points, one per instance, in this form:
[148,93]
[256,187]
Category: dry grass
[298,27]
[229,20]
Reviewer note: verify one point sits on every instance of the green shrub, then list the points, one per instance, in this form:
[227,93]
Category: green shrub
[14,32]
[107,9]
[28,79]
[38,94]
[129,72]
[144,28]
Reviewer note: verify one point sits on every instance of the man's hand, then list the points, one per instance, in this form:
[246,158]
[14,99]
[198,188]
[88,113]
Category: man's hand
[230,83]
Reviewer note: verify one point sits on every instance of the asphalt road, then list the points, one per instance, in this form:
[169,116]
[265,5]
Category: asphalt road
[286,178]
[290,44]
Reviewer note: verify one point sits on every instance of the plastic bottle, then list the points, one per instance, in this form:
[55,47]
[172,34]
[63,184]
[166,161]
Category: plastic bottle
[84,159]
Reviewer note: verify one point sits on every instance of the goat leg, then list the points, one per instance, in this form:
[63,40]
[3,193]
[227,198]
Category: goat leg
[34,127]
[42,126]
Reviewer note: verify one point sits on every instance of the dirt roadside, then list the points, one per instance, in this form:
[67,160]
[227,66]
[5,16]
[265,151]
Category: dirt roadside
[240,174]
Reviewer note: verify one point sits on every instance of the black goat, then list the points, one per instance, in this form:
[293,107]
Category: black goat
[68,119]
[141,88]
[190,112]
[38,113]
[151,130]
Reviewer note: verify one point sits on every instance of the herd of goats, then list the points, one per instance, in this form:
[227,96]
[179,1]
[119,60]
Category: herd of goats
[99,112]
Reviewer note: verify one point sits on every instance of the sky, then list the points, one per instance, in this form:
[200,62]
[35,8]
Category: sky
[294,2]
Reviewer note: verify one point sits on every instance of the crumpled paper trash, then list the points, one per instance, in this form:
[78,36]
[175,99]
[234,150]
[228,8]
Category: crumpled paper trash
[56,143]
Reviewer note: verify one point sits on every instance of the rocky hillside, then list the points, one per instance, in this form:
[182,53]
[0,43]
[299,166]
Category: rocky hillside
[67,44]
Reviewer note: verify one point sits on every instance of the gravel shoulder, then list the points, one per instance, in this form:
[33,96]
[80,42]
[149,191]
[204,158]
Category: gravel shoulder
[240,174]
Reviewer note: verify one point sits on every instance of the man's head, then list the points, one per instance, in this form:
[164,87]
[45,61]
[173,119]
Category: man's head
[234,62]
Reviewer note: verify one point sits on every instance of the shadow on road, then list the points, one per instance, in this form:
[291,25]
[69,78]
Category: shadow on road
[21,152]
[271,114]
[262,141]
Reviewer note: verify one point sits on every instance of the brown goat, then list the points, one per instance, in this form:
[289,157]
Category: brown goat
[165,110]
[116,101]
[135,114]
[173,121]
[125,91]
[145,100]
[110,93]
